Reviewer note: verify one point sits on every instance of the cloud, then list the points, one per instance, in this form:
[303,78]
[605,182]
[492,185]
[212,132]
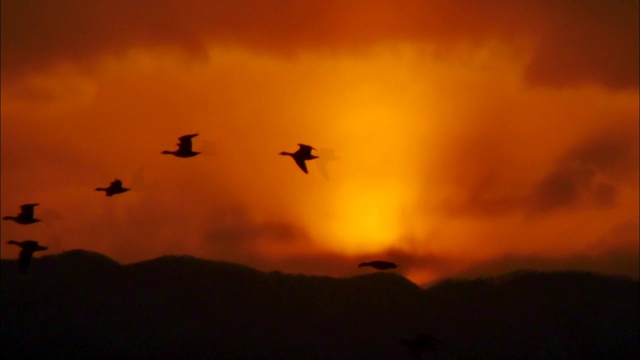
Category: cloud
[235,235]
[588,41]
[588,173]
[573,42]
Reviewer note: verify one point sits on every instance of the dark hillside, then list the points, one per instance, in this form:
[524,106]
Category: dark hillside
[83,305]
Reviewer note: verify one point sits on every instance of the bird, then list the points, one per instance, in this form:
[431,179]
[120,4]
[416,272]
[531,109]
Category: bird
[28,248]
[113,189]
[301,155]
[380,265]
[420,345]
[25,216]
[184,147]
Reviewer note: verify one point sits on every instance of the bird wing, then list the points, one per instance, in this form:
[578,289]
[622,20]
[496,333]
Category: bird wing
[385,264]
[27,210]
[302,165]
[24,260]
[380,265]
[116,184]
[305,149]
[185,142]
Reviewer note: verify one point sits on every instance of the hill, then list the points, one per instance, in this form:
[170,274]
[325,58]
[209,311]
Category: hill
[84,305]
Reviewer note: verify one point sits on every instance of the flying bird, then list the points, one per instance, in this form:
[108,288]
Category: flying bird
[114,189]
[28,248]
[380,265]
[184,147]
[300,156]
[25,216]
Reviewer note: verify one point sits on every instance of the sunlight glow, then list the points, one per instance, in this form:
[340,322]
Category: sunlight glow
[367,219]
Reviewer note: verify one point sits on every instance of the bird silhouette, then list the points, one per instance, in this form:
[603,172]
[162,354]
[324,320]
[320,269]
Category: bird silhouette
[184,147]
[114,189]
[380,265]
[25,216]
[300,156]
[420,345]
[28,248]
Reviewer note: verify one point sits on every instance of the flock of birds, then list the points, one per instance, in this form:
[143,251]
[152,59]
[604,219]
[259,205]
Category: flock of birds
[185,150]
[26,216]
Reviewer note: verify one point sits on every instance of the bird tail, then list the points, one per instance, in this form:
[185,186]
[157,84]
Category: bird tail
[13,242]
[363,264]
[101,189]
[8,218]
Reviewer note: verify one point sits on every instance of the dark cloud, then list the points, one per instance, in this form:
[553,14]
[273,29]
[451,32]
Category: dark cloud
[587,174]
[623,235]
[565,186]
[571,52]
[234,234]
[575,42]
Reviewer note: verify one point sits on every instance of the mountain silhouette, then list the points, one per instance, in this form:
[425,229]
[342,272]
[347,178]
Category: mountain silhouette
[83,305]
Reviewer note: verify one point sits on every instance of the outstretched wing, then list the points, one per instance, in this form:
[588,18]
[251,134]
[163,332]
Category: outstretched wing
[384,265]
[24,260]
[185,142]
[27,210]
[305,150]
[116,184]
[302,165]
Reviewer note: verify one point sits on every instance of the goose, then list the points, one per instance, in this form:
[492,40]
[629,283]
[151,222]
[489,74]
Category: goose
[28,248]
[113,189]
[380,265]
[184,147]
[25,216]
[301,155]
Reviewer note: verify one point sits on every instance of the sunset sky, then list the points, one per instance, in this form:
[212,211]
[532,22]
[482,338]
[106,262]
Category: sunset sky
[456,138]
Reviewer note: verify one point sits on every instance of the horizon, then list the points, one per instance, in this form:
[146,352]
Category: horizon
[355,274]
[453,138]
[83,305]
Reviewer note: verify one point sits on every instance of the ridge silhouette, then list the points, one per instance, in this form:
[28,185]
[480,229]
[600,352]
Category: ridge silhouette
[420,345]
[26,215]
[205,309]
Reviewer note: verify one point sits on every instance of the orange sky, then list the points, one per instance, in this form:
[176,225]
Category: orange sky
[455,139]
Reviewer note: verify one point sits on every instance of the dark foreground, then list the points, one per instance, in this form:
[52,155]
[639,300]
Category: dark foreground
[81,305]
